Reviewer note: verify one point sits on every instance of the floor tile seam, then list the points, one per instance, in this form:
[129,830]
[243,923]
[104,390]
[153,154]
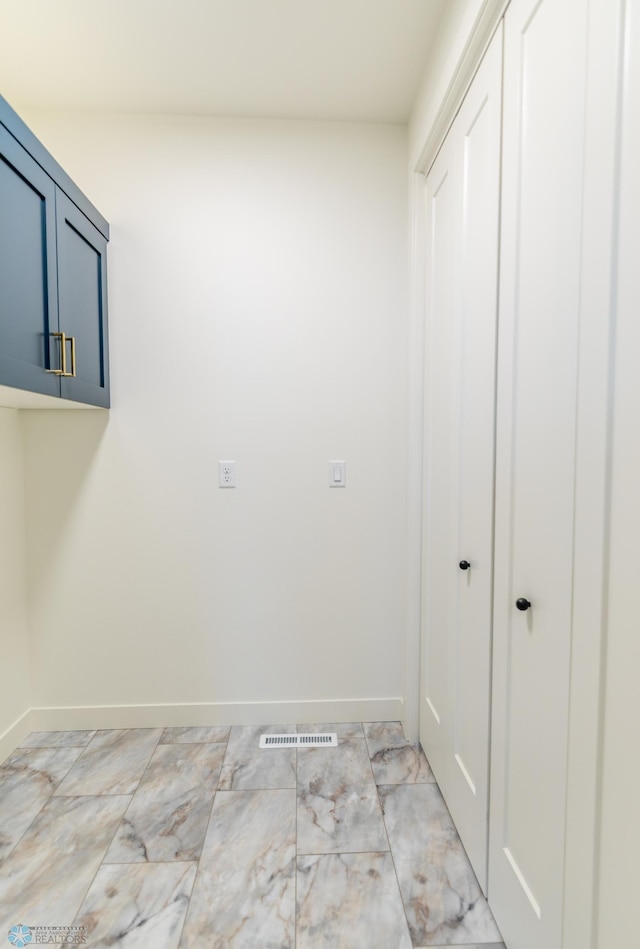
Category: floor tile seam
[373,778]
[98,794]
[408,784]
[157,794]
[108,793]
[92,796]
[224,757]
[353,741]
[245,791]
[198,741]
[147,863]
[373,753]
[204,800]
[162,784]
[378,754]
[74,796]
[367,744]
[342,740]
[22,835]
[197,873]
[291,787]
[300,792]
[35,816]
[364,729]
[295,859]
[195,799]
[338,853]
[301,729]
[140,779]
[460,842]
[106,851]
[146,767]
[381,809]
[405,784]
[364,785]
[188,744]
[48,747]
[186,913]
[393,859]
[199,869]
[435,780]
[408,860]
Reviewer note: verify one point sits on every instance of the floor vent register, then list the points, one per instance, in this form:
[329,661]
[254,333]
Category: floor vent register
[324,740]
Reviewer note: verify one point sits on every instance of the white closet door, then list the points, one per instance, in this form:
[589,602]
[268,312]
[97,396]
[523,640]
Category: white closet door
[543,136]
[443,198]
[463,216]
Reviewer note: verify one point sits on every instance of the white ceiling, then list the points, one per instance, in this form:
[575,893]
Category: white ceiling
[358,60]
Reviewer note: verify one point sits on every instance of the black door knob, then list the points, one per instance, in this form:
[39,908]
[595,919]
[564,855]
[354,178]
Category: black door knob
[523,604]
[464,565]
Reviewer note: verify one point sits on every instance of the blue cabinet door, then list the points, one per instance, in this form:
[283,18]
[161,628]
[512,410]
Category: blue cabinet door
[28,276]
[82,295]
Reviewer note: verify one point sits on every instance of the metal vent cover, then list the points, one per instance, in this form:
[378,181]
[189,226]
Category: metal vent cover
[321,740]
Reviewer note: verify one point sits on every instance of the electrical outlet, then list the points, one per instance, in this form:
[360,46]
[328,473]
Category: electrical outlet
[226,474]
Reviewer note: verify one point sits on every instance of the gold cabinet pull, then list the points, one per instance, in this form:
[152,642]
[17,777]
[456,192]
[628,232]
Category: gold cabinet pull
[63,356]
[72,340]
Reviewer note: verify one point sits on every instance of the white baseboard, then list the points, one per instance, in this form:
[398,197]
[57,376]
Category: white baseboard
[215,713]
[15,734]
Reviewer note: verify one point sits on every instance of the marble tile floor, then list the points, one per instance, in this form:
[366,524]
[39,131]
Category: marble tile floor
[177,838]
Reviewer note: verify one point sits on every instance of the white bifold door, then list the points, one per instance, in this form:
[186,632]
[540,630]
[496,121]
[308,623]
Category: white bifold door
[545,76]
[462,212]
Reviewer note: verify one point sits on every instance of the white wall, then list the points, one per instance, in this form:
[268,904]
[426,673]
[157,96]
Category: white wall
[15,694]
[258,302]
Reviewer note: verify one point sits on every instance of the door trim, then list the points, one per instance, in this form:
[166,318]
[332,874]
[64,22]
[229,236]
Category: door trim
[487,20]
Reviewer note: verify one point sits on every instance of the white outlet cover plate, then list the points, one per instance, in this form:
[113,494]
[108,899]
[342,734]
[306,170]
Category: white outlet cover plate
[227,474]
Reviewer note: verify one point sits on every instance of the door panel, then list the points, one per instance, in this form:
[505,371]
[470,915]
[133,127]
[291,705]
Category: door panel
[539,306]
[82,261]
[468,773]
[443,201]
[459,455]
[28,288]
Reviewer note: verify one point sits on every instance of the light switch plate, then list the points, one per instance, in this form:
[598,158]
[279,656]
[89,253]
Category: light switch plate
[337,474]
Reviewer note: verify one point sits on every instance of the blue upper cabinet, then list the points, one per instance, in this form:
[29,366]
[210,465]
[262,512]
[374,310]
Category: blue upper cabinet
[82,295]
[28,272]
[53,276]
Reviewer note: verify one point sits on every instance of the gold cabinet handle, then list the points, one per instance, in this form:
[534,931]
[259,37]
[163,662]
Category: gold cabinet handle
[63,356]
[72,340]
